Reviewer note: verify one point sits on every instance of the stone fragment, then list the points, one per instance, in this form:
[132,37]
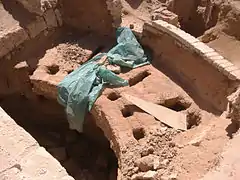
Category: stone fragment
[169,177]
[21,65]
[11,40]
[235,75]
[173,176]
[165,15]
[146,151]
[221,67]
[231,68]
[165,162]
[147,163]
[202,48]
[150,175]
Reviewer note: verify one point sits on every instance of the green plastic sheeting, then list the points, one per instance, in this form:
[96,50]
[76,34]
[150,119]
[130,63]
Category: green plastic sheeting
[79,90]
[128,52]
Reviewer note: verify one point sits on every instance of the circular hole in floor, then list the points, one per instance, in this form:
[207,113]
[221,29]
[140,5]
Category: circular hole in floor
[138,133]
[53,69]
[113,96]
[126,112]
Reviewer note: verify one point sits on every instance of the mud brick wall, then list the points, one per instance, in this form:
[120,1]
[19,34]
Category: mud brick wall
[205,74]
[24,23]
[99,16]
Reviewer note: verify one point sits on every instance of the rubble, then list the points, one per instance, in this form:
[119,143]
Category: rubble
[147,163]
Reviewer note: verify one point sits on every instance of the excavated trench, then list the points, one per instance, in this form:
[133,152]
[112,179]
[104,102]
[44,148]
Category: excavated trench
[84,156]
[88,155]
[198,17]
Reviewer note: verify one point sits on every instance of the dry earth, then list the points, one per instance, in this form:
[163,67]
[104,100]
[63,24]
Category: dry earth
[42,41]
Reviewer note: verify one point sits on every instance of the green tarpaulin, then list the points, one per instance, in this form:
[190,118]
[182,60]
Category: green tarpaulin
[79,90]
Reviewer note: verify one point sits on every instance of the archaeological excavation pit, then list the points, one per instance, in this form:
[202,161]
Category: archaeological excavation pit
[42,42]
[85,155]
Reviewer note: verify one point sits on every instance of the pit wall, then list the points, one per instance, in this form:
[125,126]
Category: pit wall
[98,16]
[207,76]
[22,32]
[23,36]
[22,157]
[40,19]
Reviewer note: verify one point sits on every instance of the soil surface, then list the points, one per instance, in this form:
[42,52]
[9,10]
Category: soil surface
[178,155]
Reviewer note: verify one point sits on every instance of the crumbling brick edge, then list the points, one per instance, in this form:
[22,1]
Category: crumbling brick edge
[51,19]
[192,44]
[220,63]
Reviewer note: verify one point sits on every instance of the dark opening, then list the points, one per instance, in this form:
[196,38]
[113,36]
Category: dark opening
[126,112]
[134,3]
[138,78]
[70,71]
[196,24]
[53,69]
[175,104]
[232,129]
[85,156]
[113,96]
[96,51]
[138,133]
[31,71]
[177,107]
[193,119]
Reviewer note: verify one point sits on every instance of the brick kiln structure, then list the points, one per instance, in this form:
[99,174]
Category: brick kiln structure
[39,47]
